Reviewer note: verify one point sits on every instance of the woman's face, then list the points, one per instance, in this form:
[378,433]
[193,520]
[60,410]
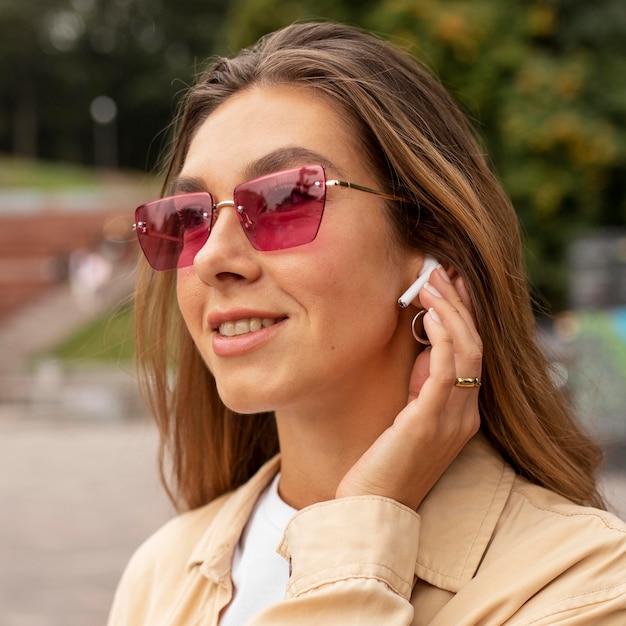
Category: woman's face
[331,331]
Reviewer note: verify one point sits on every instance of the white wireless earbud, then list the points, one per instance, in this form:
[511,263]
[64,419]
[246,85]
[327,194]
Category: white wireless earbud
[430,263]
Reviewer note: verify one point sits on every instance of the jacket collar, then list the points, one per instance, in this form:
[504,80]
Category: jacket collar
[458,518]
[459,515]
[214,551]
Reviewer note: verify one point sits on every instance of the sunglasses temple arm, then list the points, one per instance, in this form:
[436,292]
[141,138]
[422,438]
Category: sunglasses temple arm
[157,235]
[344,183]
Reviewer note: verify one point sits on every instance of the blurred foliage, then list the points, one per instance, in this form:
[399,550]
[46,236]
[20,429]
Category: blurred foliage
[247,20]
[544,80]
[64,54]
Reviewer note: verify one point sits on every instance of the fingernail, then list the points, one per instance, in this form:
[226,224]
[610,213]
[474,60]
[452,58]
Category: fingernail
[432,290]
[443,273]
[433,314]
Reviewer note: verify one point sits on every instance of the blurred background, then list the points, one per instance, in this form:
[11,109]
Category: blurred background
[87,91]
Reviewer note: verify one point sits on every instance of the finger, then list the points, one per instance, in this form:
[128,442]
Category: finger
[433,392]
[419,373]
[454,291]
[464,294]
[448,359]
[459,323]
[456,351]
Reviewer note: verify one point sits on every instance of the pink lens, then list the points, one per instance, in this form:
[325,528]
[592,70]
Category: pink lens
[277,211]
[172,230]
[282,210]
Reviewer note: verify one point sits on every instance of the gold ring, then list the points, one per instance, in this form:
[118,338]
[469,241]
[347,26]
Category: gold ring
[467,382]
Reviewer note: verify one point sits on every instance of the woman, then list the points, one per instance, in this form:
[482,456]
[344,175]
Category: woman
[447,484]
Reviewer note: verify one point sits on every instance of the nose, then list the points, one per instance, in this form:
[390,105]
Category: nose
[227,255]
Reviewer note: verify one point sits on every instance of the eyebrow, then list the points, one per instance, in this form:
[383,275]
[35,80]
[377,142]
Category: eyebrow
[187,184]
[275,161]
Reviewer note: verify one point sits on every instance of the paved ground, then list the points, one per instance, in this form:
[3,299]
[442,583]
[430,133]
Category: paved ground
[77,497]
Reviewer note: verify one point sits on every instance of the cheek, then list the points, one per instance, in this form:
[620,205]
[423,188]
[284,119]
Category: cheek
[188,295]
[351,290]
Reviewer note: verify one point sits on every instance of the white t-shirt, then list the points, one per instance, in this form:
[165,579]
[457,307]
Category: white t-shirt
[259,573]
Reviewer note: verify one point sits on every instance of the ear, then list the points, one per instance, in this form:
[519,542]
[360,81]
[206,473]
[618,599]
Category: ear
[414,266]
[418,270]
[419,259]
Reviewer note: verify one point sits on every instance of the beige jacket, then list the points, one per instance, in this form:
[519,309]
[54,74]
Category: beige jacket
[486,547]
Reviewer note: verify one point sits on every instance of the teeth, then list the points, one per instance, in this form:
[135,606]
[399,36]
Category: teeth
[244,326]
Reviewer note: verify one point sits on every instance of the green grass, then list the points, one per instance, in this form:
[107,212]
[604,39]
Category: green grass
[20,173]
[24,173]
[106,340]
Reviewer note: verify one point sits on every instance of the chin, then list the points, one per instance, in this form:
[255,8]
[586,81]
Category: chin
[244,403]
[239,410]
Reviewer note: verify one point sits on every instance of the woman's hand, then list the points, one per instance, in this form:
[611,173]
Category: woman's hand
[409,457]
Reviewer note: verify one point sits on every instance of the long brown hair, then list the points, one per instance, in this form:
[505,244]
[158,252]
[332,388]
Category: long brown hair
[422,147]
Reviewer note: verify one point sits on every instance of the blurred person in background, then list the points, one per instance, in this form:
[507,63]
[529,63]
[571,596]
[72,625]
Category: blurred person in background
[338,458]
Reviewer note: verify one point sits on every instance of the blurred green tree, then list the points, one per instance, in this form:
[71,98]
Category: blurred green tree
[57,58]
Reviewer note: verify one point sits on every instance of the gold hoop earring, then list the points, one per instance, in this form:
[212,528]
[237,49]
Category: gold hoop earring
[424,341]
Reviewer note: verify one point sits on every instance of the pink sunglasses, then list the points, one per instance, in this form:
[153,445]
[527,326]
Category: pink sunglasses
[277,211]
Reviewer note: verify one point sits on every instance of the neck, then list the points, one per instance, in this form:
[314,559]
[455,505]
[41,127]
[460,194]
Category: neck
[320,445]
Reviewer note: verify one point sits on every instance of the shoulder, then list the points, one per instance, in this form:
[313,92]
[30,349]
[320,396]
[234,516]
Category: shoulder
[547,560]
[534,504]
[574,555]
[159,566]
[189,538]
[170,567]
[174,543]
[548,525]
[184,530]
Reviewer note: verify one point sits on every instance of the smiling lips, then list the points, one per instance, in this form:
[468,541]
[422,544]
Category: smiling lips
[245,326]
